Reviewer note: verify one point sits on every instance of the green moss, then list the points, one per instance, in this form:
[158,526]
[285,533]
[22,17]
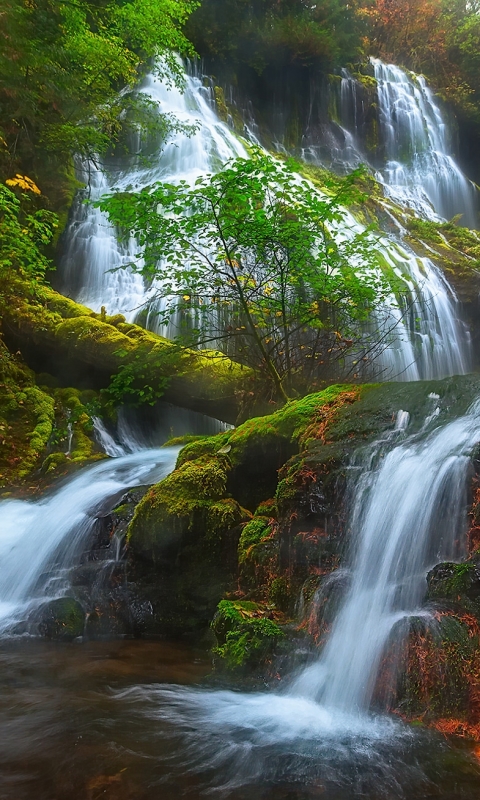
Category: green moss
[246,637]
[279,592]
[267,509]
[222,109]
[254,532]
[207,445]
[367,81]
[288,423]
[193,497]
[104,346]
[425,229]
[222,516]
[62,619]
[26,419]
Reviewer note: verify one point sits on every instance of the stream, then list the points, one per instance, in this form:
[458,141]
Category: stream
[142,719]
[124,720]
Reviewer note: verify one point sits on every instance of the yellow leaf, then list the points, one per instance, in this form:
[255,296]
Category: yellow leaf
[23,182]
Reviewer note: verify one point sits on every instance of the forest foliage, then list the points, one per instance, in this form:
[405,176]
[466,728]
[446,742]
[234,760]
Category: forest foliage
[68,71]
[251,261]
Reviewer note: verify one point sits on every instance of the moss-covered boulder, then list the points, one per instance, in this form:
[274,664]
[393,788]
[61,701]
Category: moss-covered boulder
[62,619]
[86,349]
[45,431]
[247,635]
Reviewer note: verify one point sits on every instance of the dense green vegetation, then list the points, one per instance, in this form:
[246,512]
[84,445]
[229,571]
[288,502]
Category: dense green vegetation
[254,266]
[278,32]
[62,66]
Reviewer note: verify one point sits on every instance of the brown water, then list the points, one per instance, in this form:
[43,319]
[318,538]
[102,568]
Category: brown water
[128,720]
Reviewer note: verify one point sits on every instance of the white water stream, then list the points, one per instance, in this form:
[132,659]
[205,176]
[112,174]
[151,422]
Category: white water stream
[419,170]
[41,541]
[90,269]
[422,336]
[408,513]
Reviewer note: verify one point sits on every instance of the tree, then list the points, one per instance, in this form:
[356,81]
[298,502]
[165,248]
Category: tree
[249,255]
[68,71]
[264,33]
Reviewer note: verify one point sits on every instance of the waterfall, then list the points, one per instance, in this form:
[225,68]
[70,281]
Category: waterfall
[419,169]
[420,334]
[408,512]
[41,541]
[91,268]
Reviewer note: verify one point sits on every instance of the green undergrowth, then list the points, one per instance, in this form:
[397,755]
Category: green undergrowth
[43,430]
[27,418]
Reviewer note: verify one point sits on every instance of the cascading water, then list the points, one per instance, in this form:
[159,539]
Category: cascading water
[41,541]
[93,261]
[408,514]
[420,170]
[421,336]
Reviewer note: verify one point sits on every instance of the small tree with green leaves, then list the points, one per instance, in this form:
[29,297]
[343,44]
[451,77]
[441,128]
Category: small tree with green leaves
[261,261]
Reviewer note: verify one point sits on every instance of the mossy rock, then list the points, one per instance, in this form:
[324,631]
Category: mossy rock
[439,667]
[27,417]
[192,499]
[456,584]
[62,619]
[246,635]
[86,349]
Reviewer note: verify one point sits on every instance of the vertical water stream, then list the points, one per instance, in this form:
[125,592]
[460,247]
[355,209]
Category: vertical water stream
[408,513]
[422,336]
[419,169]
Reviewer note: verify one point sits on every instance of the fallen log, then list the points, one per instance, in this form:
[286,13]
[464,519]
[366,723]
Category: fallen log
[84,349]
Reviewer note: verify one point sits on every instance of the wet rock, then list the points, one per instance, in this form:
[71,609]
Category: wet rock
[457,584]
[63,618]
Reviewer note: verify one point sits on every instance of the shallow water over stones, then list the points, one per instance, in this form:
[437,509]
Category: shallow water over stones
[123,720]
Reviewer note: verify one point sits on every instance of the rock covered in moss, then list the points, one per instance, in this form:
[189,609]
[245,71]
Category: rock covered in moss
[247,635]
[87,349]
[456,584]
[62,619]
[26,419]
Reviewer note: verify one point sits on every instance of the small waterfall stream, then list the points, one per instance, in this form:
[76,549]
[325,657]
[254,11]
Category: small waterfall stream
[92,264]
[419,170]
[41,541]
[408,513]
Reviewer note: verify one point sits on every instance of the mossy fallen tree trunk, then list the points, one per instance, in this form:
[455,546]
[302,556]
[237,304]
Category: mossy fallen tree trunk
[84,349]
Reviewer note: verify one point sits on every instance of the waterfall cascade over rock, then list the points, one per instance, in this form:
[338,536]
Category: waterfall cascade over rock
[408,513]
[421,334]
[419,170]
[40,542]
[405,508]
[92,265]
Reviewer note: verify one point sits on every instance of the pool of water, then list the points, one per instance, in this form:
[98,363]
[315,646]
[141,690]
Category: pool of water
[141,720]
